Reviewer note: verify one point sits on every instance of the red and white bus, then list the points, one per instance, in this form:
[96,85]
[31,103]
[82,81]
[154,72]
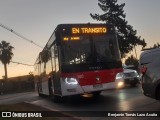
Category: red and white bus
[79,59]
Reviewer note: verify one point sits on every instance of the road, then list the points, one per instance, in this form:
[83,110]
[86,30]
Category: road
[126,99]
[129,98]
[17,98]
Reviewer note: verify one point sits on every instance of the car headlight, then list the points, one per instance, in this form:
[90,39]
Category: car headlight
[119,76]
[120,84]
[71,81]
[137,75]
[119,80]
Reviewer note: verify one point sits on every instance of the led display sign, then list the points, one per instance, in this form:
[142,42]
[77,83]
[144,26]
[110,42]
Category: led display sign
[71,38]
[87,30]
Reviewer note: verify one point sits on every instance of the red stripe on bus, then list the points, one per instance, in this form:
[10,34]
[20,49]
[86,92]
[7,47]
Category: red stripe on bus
[94,77]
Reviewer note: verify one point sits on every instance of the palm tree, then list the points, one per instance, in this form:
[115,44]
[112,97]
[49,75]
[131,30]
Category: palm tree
[5,55]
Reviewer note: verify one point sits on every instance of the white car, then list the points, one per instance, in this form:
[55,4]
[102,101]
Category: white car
[128,76]
[131,77]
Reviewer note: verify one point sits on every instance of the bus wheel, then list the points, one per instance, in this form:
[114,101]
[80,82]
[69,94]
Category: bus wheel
[55,98]
[97,93]
[133,84]
[158,93]
[39,94]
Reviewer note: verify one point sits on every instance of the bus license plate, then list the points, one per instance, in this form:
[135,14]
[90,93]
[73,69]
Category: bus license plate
[98,86]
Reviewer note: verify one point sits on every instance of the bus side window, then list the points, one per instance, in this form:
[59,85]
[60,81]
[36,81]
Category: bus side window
[56,58]
[49,64]
[53,58]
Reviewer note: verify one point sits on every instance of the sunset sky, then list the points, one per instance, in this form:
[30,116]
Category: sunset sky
[37,19]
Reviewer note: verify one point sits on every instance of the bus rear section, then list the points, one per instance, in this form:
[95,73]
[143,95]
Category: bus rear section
[85,58]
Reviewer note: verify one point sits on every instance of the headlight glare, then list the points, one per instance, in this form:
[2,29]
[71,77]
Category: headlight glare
[71,81]
[119,76]
[120,84]
[136,74]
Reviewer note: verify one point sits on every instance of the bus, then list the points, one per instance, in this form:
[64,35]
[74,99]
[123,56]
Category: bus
[79,59]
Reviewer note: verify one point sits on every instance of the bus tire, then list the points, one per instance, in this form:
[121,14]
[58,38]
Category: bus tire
[55,98]
[133,84]
[97,93]
[158,93]
[39,94]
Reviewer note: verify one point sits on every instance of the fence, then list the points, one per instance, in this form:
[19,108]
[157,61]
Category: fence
[14,86]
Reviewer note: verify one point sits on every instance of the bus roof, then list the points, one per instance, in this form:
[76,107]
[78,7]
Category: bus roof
[81,24]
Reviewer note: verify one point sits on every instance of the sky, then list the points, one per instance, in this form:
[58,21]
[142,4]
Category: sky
[37,19]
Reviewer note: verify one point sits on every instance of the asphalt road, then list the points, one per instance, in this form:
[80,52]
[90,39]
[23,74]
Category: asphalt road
[126,99]
[19,97]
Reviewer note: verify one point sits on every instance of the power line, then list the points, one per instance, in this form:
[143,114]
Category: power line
[21,63]
[14,32]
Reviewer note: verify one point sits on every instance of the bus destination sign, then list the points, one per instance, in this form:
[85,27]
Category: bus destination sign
[87,30]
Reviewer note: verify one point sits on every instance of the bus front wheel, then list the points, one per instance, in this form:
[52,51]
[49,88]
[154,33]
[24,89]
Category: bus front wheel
[55,98]
[96,93]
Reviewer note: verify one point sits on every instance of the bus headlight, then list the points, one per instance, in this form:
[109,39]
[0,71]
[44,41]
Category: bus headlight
[119,76]
[71,81]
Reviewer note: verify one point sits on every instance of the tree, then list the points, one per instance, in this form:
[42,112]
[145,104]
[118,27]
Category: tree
[132,61]
[45,55]
[31,76]
[114,14]
[6,55]
[156,45]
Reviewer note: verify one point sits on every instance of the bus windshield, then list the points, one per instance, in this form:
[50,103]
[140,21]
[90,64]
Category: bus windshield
[89,49]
